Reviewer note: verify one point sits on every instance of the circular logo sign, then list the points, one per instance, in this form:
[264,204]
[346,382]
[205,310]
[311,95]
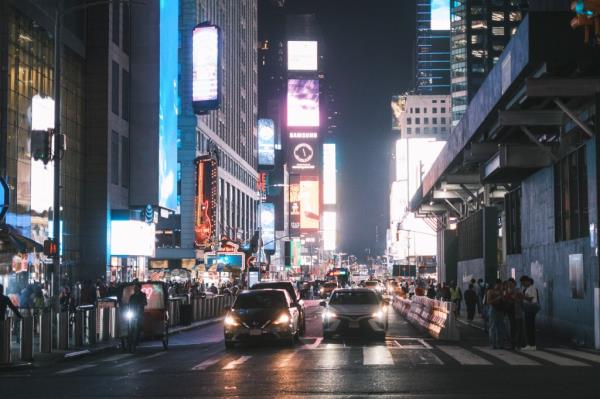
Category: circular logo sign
[303,152]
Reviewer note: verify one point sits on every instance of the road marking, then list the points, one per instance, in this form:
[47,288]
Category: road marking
[463,356]
[315,344]
[206,364]
[552,358]
[74,369]
[575,353]
[508,357]
[126,363]
[286,359]
[377,355]
[234,363]
[154,355]
[116,357]
[75,354]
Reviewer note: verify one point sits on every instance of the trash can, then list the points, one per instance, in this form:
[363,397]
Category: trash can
[185,314]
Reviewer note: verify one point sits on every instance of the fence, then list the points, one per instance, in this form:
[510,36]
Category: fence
[89,324]
[435,317]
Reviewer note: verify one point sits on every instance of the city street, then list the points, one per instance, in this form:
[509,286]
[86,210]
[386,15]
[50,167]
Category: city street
[407,365]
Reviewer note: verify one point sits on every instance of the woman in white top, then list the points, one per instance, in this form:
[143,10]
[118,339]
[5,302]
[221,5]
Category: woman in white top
[531,305]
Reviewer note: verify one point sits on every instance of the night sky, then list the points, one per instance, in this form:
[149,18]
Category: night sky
[369,46]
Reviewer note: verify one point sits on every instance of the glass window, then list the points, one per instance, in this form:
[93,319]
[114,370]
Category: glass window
[115,88]
[417,110]
[498,30]
[426,121]
[418,130]
[408,121]
[434,121]
[125,162]
[497,16]
[114,158]
[125,99]
[409,130]
[443,110]
[417,121]
[443,121]
[434,110]
[126,29]
[116,22]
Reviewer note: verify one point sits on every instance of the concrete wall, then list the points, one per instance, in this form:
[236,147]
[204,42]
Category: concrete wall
[547,262]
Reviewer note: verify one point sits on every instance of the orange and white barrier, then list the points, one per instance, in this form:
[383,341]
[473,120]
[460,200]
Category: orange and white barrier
[435,317]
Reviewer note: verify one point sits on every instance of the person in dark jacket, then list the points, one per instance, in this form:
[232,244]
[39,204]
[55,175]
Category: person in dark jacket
[6,303]
[471,301]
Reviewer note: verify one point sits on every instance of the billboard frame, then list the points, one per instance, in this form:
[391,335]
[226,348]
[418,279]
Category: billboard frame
[202,107]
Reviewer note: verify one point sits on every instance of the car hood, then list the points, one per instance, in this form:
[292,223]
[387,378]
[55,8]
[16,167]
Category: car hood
[257,317]
[354,310]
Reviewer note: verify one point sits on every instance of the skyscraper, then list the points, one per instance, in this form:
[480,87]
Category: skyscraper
[433,47]
[480,29]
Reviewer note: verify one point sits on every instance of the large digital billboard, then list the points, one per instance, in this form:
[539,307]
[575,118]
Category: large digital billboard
[303,152]
[329,230]
[329,174]
[266,142]
[309,203]
[303,103]
[302,55]
[206,67]
[168,99]
[440,14]
[206,202]
[224,261]
[267,225]
[294,204]
[132,238]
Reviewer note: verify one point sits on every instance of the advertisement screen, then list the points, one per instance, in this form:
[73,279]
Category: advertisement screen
[267,224]
[303,152]
[440,14]
[294,203]
[302,55]
[42,113]
[168,98]
[329,174]
[266,142]
[131,237]
[205,67]
[206,202]
[309,203]
[329,230]
[224,262]
[303,103]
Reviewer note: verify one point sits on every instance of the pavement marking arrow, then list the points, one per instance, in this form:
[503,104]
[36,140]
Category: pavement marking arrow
[233,364]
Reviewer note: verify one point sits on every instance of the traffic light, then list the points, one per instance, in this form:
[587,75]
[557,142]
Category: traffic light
[41,145]
[50,248]
[287,254]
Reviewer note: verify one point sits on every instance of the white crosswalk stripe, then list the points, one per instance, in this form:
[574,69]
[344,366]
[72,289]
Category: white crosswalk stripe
[74,369]
[578,354]
[234,363]
[463,356]
[206,364]
[552,358]
[508,357]
[377,355]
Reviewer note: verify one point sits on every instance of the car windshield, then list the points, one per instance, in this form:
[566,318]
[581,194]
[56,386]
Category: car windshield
[260,300]
[353,298]
[280,286]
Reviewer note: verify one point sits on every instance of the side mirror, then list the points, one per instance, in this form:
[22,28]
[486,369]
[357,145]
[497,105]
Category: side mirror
[322,303]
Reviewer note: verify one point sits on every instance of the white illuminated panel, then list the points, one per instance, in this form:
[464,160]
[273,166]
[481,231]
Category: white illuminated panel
[42,113]
[132,238]
[302,55]
[329,230]
[205,63]
[329,174]
[42,186]
[440,14]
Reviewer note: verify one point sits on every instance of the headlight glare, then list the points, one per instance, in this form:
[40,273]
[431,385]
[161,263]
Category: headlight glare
[231,321]
[283,319]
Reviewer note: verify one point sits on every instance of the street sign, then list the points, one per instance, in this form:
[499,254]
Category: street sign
[4,199]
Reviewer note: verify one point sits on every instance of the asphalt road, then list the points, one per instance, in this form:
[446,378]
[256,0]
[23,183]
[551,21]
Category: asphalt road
[407,365]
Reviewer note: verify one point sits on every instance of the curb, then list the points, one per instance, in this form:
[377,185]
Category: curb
[197,324]
[16,366]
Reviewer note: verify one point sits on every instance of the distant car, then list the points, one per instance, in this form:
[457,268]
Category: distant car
[262,314]
[374,285]
[327,289]
[292,292]
[354,311]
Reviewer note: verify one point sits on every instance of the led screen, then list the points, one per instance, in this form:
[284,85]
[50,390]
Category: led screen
[205,201]
[131,237]
[267,224]
[294,203]
[440,14]
[168,95]
[329,175]
[302,55]
[42,113]
[303,152]
[266,142]
[309,204]
[329,231]
[224,262]
[303,103]
[205,67]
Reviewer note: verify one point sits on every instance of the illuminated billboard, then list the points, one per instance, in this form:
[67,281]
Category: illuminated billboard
[303,152]
[303,103]
[206,202]
[267,225]
[309,203]
[329,174]
[266,142]
[42,113]
[329,230]
[294,204]
[440,14]
[206,67]
[302,55]
[168,99]
[131,238]
[224,261]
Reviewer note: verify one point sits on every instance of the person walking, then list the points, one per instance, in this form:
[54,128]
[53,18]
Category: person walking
[516,319]
[531,306]
[496,315]
[481,288]
[470,302]
[455,297]
[6,303]
[431,291]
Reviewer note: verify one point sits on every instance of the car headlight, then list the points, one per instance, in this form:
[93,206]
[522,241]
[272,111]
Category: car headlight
[231,321]
[329,315]
[283,319]
[378,315]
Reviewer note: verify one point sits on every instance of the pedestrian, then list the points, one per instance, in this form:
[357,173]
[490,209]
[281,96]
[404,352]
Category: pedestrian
[214,289]
[88,293]
[5,303]
[496,315]
[470,301]
[431,291]
[481,287]
[516,318]
[531,306]
[455,297]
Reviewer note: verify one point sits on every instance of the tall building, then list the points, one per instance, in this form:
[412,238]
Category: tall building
[480,29]
[433,47]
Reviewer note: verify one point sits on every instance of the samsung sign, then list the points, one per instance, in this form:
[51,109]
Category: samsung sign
[206,67]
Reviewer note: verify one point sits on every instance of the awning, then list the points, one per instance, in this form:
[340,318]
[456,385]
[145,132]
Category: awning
[11,241]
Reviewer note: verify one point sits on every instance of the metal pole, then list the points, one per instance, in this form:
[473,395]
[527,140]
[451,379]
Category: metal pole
[57,131]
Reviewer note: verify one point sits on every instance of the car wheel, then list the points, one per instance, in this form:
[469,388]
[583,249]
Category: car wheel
[229,344]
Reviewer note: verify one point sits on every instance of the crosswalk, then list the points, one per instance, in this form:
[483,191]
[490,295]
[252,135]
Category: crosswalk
[316,354]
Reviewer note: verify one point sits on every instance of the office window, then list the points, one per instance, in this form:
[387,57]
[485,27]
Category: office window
[126,29]
[125,162]
[443,102]
[515,16]
[498,30]
[114,158]
[570,197]
[443,129]
[512,206]
[497,16]
[424,110]
[417,110]
[116,22]
[434,121]
[408,121]
[443,110]
[115,88]
[418,130]
[426,130]
[443,121]
[125,99]
[426,121]
[417,121]
[434,110]
[409,130]
[435,130]
[434,101]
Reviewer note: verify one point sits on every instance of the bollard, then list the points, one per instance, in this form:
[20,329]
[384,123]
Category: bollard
[46,331]
[91,326]
[78,328]
[105,326]
[26,339]
[204,308]
[213,307]
[63,330]
[5,341]
[112,325]
[221,306]
[194,309]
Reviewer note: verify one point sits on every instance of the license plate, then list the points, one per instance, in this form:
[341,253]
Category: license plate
[255,331]
[353,324]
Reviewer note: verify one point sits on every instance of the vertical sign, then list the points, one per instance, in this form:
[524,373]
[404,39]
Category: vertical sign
[294,203]
[206,202]
[206,67]
[266,143]
[329,174]
[309,203]
[267,224]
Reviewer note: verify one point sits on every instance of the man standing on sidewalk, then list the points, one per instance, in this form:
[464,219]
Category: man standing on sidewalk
[531,305]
